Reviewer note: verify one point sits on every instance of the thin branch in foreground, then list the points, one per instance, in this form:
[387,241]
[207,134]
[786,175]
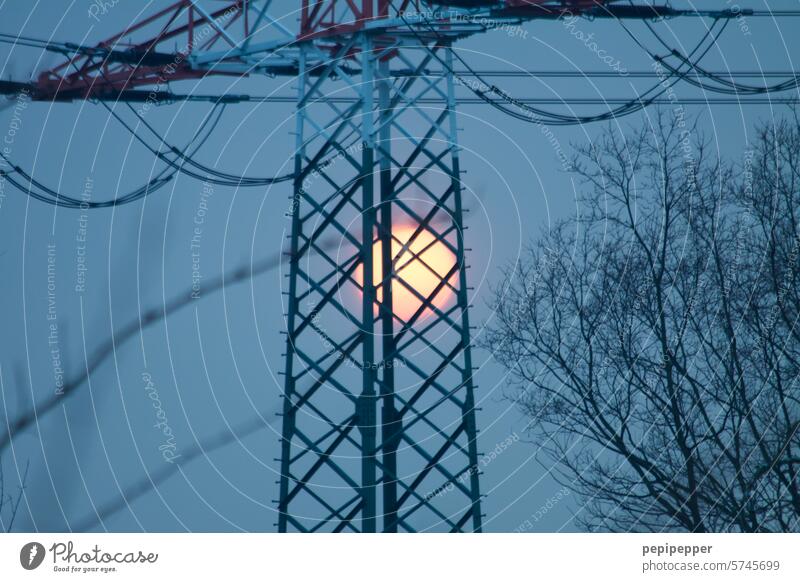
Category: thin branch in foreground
[147,319]
[130,330]
[152,480]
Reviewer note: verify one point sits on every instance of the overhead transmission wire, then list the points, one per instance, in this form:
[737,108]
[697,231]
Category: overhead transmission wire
[66,48]
[539,116]
[573,74]
[534,115]
[219,178]
[61,48]
[632,105]
[212,176]
[55,198]
[733,88]
[209,175]
[529,100]
[31,42]
[227,179]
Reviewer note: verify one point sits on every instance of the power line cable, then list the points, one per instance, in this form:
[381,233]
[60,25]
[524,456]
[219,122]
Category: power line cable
[213,176]
[534,115]
[219,178]
[733,87]
[539,116]
[55,198]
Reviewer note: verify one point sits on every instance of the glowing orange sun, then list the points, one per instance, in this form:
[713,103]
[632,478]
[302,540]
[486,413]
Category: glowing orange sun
[421,266]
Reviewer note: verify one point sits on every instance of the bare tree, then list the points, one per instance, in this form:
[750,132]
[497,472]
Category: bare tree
[654,340]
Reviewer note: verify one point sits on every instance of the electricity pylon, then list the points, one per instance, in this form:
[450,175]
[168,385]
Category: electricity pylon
[379,418]
[379,430]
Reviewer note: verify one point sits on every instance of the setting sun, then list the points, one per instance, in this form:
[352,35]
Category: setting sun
[421,266]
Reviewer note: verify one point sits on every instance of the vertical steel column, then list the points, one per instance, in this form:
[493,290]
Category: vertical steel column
[463,299]
[289,410]
[367,417]
[390,424]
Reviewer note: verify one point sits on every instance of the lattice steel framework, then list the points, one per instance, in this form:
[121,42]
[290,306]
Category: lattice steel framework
[379,421]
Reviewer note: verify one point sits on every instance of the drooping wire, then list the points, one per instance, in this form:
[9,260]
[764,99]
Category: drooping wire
[532,115]
[730,87]
[211,175]
[63,200]
[540,116]
[644,100]
[49,196]
[178,165]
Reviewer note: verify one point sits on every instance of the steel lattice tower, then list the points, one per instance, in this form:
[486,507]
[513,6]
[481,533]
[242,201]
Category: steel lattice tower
[379,416]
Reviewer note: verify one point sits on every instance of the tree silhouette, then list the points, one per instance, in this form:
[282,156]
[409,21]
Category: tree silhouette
[654,339]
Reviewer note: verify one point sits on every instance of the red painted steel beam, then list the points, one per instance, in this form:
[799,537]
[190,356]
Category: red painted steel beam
[115,65]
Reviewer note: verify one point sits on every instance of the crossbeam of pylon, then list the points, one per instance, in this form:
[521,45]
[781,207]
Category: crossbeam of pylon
[189,40]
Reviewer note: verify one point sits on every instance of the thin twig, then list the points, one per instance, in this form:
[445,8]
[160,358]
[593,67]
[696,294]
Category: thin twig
[152,480]
[147,319]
